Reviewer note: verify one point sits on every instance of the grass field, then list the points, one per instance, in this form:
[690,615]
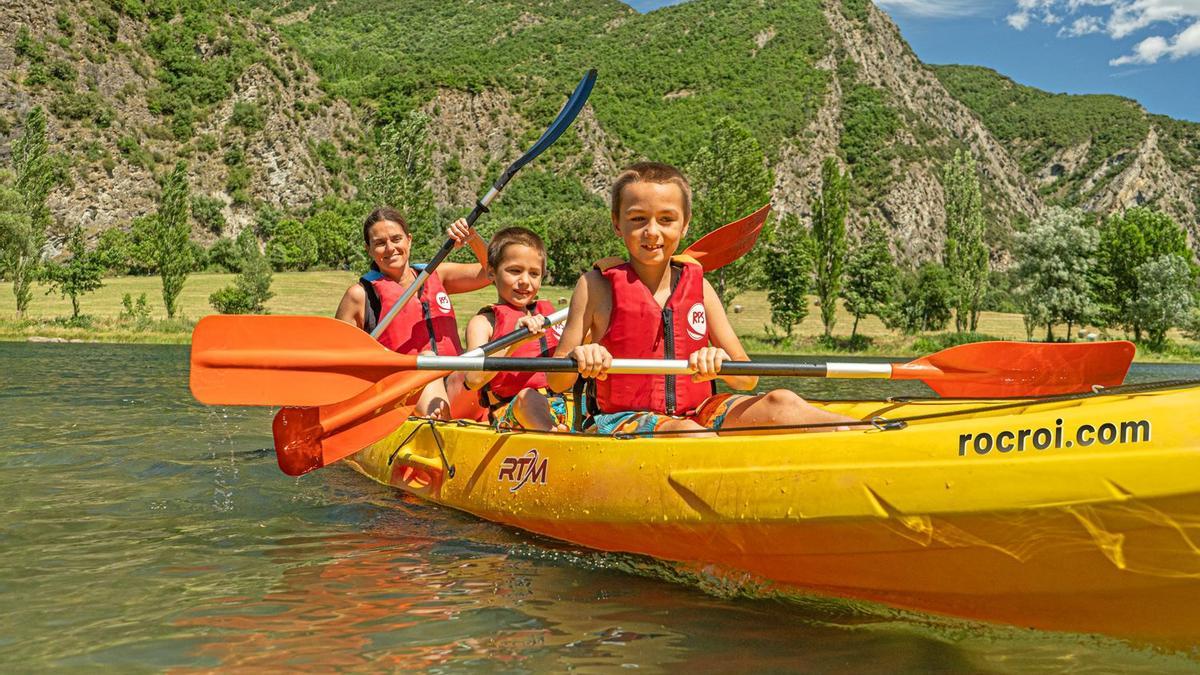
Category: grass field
[317,293]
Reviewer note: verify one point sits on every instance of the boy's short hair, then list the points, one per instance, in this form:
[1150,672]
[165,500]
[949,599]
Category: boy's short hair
[651,172]
[510,236]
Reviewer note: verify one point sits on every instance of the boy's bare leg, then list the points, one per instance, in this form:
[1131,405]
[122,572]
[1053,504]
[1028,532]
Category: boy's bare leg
[685,425]
[781,407]
[532,411]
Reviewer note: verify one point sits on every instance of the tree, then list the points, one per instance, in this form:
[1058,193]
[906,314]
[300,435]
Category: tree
[338,238]
[1056,258]
[293,247]
[400,179]
[252,287]
[924,301]
[1127,241]
[23,231]
[871,276]
[788,264]
[1165,296]
[829,240]
[575,239]
[965,255]
[18,246]
[81,273]
[730,179]
[164,240]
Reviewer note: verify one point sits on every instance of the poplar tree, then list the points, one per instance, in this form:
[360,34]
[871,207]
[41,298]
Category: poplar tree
[829,240]
[400,179]
[871,276]
[730,179]
[788,265]
[164,239]
[965,255]
[23,227]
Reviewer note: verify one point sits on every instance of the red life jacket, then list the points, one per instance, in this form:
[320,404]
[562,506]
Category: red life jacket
[425,322]
[639,329]
[505,385]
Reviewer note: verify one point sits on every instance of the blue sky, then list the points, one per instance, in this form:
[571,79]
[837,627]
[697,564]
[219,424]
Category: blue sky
[1147,50]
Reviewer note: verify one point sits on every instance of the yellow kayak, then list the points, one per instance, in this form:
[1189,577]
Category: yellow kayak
[1077,513]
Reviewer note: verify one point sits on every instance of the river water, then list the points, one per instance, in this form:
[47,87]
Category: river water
[144,530]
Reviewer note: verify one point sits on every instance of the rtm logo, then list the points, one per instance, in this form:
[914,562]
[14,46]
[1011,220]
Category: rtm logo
[523,469]
[697,322]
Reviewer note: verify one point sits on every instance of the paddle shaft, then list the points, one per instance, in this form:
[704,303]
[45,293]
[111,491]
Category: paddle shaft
[565,116]
[658,367]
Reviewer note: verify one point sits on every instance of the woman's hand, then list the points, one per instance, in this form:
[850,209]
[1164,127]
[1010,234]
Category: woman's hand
[460,232]
[706,363]
[536,323]
[593,360]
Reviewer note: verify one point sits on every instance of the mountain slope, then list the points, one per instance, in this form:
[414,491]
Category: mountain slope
[808,78]
[130,94]
[1102,153]
[264,100]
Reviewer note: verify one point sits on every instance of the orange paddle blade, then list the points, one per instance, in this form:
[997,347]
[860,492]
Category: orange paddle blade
[728,242]
[310,438]
[285,360]
[1020,369]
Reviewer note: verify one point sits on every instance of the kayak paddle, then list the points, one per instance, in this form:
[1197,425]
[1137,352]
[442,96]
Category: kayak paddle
[297,360]
[729,242]
[977,370]
[567,115]
[309,438]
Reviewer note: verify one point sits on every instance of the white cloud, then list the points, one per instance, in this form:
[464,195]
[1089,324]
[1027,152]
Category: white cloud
[1150,50]
[937,8]
[1120,19]
[1030,10]
[1084,25]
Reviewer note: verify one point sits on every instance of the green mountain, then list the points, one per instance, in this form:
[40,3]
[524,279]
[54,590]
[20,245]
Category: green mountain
[271,103]
[1102,153]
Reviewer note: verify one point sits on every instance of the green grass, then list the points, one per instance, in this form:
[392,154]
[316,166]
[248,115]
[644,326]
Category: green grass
[318,293]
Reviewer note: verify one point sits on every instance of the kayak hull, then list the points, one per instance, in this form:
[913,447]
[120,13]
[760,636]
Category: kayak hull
[1089,521]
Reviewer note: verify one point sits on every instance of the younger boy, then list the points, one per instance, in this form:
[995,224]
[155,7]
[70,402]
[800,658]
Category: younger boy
[656,306]
[516,264]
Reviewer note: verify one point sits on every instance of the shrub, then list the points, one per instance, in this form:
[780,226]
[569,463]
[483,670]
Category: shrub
[248,116]
[86,106]
[137,313]
[252,287]
[924,301]
[207,212]
[224,256]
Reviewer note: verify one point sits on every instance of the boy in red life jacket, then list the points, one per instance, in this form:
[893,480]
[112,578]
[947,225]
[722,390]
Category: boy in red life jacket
[657,306]
[517,264]
[426,324]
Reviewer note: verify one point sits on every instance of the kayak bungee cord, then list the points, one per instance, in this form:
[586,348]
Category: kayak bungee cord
[878,421]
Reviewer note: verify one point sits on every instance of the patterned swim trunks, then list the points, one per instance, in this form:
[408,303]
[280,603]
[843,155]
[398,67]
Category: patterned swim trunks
[504,418]
[710,414]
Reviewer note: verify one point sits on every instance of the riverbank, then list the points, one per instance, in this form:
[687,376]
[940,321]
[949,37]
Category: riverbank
[317,294]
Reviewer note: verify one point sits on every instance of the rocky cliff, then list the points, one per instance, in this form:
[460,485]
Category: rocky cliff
[287,145]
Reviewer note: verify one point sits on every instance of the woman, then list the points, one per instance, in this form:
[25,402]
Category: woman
[426,324]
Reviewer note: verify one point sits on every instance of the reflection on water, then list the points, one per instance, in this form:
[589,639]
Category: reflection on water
[142,529]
